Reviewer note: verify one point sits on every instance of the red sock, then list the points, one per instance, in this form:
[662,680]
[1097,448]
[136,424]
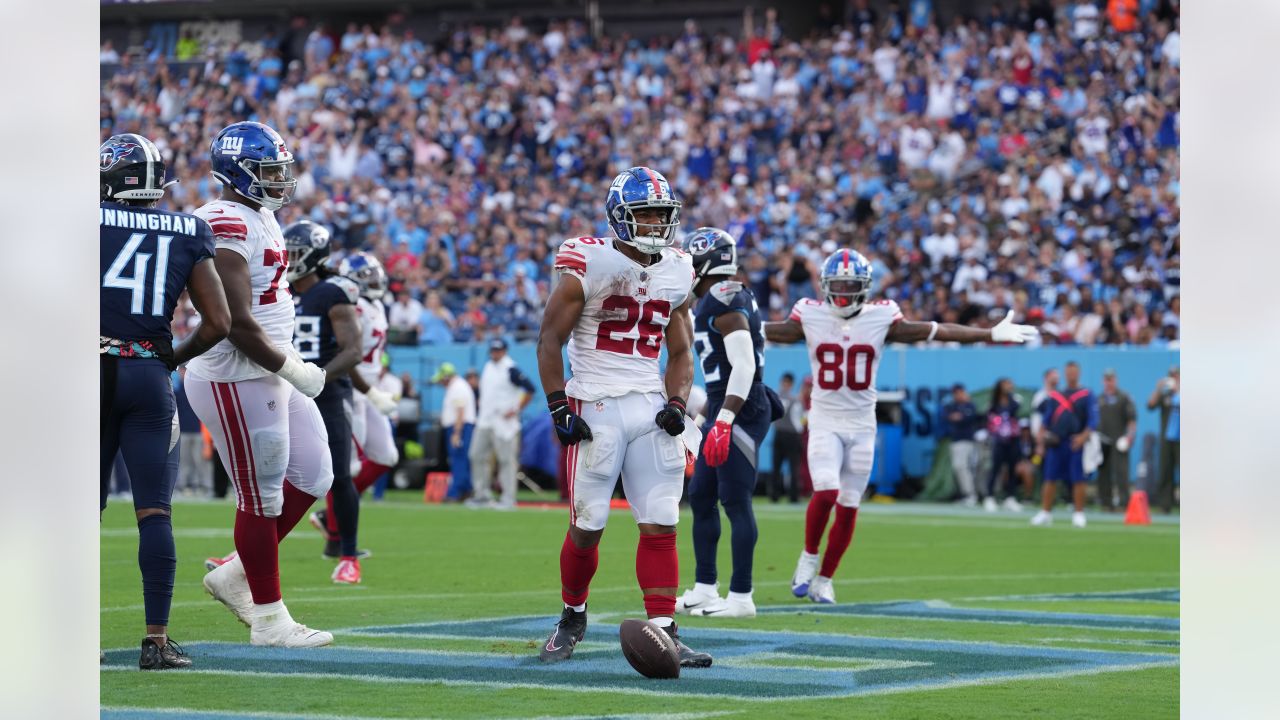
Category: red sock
[839,539]
[658,566]
[296,505]
[815,518]
[255,538]
[577,567]
[369,473]
[330,517]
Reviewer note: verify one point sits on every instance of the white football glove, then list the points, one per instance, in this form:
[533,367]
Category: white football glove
[307,377]
[381,400]
[1007,331]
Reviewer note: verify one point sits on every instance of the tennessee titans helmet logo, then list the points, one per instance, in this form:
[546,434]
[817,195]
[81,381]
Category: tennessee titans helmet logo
[114,153]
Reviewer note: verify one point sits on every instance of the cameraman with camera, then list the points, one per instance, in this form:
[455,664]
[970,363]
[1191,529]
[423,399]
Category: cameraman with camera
[1168,397]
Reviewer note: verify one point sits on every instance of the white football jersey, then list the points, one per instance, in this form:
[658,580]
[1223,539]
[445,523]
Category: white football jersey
[256,236]
[614,348]
[844,356]
[373,338]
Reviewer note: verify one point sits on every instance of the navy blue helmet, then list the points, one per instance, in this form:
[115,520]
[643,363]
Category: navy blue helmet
[253,159]
[130,168]
[714,252]
[308,247]
[634,189]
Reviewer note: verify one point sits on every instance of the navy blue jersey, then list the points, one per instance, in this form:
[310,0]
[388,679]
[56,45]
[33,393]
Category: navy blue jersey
[147,257]
[312,332]
[724,297]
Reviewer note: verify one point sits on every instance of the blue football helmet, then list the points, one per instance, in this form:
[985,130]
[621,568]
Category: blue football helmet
[636,189]
[714,252]
[252,158]
[130,168]
[366,271]
[846,281]
[308,246]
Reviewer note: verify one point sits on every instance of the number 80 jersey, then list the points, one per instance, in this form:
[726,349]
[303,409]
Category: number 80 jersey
[614,348]
[844,356]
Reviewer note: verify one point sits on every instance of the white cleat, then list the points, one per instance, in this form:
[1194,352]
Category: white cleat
[741,606]
[1042,518]
[228,585]
[1012,505]
[278,629]
[805,570]
[1077,520]
[989,504]
[698,596]
[822,591]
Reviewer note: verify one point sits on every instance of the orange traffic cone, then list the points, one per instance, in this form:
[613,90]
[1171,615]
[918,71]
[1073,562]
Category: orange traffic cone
[1139,513]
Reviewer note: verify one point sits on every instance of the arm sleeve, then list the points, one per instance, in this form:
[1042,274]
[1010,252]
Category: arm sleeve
[742,361]
[205,240]
[520,380]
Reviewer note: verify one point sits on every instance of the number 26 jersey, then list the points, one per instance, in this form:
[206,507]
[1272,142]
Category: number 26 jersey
[614,348]
[844,357]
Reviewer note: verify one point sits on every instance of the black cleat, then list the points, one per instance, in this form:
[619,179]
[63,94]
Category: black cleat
[169,657]
[568,633]
[688,656]
[333,551]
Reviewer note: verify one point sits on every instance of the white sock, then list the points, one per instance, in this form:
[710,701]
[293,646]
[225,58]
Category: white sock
[577,608]
[662,622]
[809,555]
[744,597]
[705,588]
[260,611]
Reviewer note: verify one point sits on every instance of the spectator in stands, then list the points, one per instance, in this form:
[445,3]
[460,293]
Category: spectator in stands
[1167,396]
[960,422]
[787,445]
[1117,426]
[504,393]
[1005,431]
[436,322]
[457,419]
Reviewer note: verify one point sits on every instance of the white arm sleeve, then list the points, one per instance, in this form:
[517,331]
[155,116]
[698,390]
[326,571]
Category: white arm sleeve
[742,360]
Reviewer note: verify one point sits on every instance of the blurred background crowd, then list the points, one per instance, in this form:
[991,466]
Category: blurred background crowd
[1024,158]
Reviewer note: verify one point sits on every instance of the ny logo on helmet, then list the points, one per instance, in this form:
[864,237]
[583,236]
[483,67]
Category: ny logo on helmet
[114,154]
[232,145]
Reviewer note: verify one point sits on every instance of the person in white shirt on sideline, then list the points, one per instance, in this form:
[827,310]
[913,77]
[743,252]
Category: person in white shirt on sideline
[504,391]
[458,420]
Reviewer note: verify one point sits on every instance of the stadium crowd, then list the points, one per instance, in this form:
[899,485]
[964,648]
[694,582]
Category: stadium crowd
[1027,158]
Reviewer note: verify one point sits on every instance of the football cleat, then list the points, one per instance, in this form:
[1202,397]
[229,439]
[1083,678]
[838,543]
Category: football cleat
[727,607]
[333,551]
[215,562]
[688,656]
[566,636]
[280,630]
[1042,518]
[697,596]
[169,656]
[228,585]
[347,572]
[989,504]
[1012,505]
[805,570]
[319,521]
[822,591]
[1077,520]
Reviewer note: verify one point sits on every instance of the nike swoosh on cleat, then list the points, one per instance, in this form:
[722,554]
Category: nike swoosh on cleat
[710,611]
[550,647]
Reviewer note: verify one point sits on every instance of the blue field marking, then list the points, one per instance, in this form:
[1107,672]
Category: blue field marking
[1162,595]
[750,664]
[939,610]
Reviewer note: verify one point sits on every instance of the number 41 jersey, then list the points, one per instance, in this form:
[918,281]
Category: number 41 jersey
[844,355]
[614,348]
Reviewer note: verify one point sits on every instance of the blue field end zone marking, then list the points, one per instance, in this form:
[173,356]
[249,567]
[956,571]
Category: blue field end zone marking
[749,665]
[1166,595]
[937,610]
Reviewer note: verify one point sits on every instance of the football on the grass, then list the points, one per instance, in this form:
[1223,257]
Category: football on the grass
[649,649]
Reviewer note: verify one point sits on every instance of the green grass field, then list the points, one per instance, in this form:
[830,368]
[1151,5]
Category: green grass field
[943,613]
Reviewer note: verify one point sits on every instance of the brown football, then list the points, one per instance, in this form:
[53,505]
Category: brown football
[649,649]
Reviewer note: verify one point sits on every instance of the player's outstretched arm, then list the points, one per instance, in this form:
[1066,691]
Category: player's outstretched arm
[906,331]
[246,334]
[346,330]
[785,332]
[205,289]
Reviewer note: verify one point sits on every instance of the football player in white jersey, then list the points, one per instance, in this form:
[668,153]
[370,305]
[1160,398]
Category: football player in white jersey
[375,447]
[845,335]
[253,391]
[614,304]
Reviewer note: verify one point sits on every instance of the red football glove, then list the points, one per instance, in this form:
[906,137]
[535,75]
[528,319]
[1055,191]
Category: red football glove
[716,448]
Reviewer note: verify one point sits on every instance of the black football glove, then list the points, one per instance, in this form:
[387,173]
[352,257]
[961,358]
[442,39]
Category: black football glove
[671,417]
[570,428]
